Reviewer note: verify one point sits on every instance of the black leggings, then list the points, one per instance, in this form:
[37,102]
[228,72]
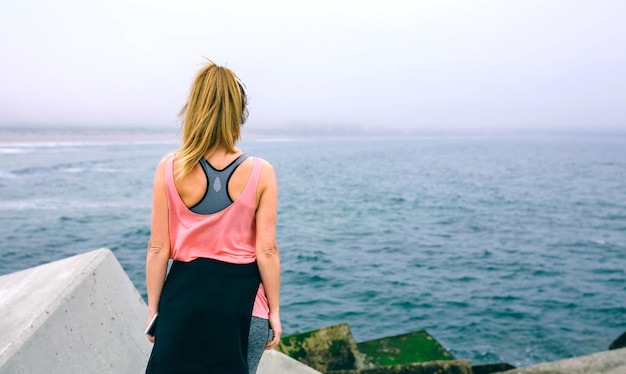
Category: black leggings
[259,335]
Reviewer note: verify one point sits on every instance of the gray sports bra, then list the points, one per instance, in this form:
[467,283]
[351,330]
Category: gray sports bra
[216,197]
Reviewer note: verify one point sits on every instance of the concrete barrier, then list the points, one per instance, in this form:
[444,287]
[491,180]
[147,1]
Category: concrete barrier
[77,315]
[83,315]
[431,367]
[608,362]
[274,362]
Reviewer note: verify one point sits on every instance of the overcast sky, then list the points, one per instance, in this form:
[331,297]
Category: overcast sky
[421,64]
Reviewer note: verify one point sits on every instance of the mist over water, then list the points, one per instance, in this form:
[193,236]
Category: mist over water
[504,249]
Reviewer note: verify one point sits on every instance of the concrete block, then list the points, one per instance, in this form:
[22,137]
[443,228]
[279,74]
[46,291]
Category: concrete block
[417,346]
[77,315]
[432,367]
[326,349]
[608,362]
[274,362]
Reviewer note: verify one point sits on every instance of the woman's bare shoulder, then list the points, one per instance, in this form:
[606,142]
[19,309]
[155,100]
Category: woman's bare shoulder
[160,168]
[267,168]
[264,162]
[167,158]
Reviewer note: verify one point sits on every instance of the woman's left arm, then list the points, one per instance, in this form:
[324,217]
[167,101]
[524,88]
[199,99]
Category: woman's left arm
[159,244]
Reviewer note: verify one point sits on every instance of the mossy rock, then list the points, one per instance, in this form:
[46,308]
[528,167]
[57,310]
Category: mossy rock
[327,349]
[413,347]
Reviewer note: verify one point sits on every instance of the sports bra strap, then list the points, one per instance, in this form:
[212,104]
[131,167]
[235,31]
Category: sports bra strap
[216,197]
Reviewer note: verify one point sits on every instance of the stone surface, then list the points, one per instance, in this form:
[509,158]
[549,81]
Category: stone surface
[619,342]
[491,368]
[432,367]
[274,362]
[608,362]
[77,315]
[418,346]
[326,349]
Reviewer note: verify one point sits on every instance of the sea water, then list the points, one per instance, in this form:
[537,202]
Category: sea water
[503,249]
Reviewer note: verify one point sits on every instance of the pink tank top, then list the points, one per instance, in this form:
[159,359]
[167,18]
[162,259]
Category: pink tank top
[228,235]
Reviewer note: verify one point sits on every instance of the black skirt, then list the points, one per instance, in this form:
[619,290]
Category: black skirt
[204,318]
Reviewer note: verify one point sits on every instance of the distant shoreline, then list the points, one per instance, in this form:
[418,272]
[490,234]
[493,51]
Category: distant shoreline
[40,135]
[37,134]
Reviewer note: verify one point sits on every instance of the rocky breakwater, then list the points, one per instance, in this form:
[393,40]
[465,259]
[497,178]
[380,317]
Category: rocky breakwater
[332,350]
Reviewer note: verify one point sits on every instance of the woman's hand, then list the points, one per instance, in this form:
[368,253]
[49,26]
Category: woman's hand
[274,319]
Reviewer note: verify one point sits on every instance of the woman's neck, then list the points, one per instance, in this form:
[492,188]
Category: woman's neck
[221,156]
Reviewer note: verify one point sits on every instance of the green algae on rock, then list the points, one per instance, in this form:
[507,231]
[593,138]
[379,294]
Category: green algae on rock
[333,350]
[418,346]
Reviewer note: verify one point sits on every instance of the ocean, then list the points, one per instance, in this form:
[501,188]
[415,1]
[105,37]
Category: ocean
[504,249]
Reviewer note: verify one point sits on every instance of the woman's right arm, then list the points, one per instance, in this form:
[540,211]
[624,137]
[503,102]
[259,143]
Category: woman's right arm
[159,244]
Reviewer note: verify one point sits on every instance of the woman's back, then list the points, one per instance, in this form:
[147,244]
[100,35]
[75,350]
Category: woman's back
[228,234]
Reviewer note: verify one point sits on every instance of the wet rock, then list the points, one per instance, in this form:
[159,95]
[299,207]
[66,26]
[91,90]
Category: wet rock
[619,342]
[491,368]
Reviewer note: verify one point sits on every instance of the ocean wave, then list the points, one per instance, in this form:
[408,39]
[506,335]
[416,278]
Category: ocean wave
[31,205]
[44,144]
[14,150]
[312,302]
[28,147]
[63,168]
[72,170]
[105,170]
[57,204]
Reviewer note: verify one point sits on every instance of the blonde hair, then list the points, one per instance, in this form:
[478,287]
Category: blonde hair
[212,116]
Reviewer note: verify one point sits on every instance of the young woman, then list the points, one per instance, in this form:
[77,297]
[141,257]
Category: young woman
[214,215]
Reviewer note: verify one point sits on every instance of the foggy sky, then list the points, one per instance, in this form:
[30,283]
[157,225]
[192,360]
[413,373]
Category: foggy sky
[435,64]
